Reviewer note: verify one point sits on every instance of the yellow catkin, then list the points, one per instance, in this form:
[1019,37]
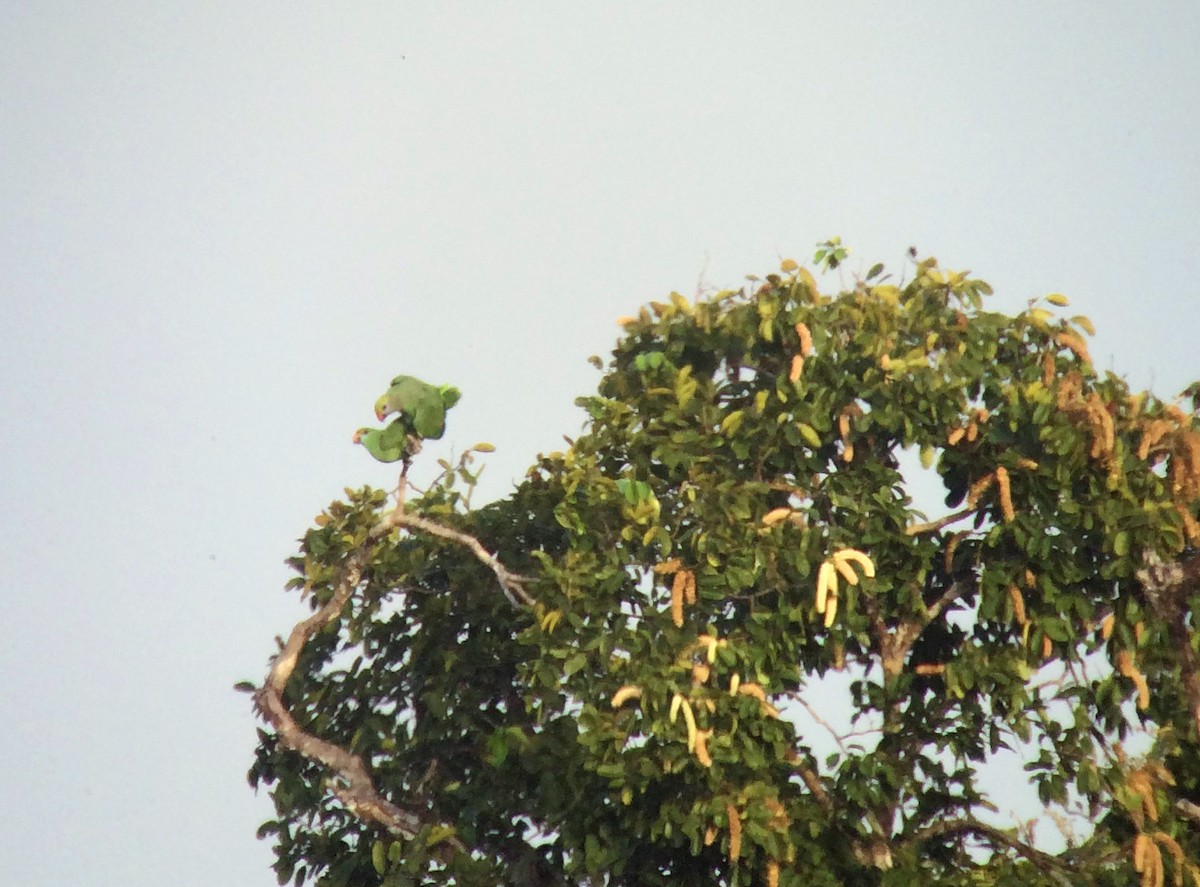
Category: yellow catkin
[1027,464]
[701,748]
[776,516]
[797,368]
[689,588]
[772,873]
[972,431]
[700,673]
[1075,345]
[1156,863]
[1176,854]
[1143,692]
[689,719]
[955,435]
[1047,369]
[1125,664]
[859,557]
[624,694]
[805,338]
[845,570]
[978,488]
[1106,626]
[831,611]
[848,453]
[710,835]
[1030,578]
[1152,434]
[1140,843]
[749,688]
[1005,490]
[1018,604]
[677,600]
[1047,647]
[826,585]
[928,669]
[735,832]
[844,425]
[667,566]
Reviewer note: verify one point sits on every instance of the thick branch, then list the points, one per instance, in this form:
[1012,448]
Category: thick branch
[356,790]
[354,786]
[1045,862]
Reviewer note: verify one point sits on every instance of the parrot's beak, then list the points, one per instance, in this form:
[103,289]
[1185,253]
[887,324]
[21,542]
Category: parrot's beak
[357,436]
[379,415]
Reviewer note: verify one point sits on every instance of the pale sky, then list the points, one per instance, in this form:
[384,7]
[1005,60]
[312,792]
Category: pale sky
[225,226]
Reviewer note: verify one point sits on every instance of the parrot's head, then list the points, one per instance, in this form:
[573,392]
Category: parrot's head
[381,408]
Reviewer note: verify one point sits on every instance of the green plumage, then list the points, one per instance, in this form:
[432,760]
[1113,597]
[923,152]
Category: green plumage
[389,444]
[420,404]
[420,411]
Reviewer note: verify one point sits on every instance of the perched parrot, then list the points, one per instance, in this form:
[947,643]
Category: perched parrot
[388,444]
[421,405]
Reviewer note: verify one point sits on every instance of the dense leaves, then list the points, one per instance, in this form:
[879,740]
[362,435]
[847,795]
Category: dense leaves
[639,724]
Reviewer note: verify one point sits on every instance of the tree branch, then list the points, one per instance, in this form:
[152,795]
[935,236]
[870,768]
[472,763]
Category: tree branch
[511,583]
[353,785]
[1051,865]
[934,526]
[356,789]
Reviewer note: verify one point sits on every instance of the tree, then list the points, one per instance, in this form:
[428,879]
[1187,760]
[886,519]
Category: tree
[599,679]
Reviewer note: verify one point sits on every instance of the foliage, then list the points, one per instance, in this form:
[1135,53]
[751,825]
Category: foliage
[639,723]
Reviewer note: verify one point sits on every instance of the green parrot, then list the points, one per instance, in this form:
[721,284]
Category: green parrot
[421,405]
[388,444]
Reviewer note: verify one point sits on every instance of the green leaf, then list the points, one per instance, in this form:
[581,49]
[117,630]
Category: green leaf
[731,423]
[809,434]
[1121,544]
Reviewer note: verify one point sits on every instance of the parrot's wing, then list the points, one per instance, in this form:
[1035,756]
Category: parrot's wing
[394,438]
[429,416]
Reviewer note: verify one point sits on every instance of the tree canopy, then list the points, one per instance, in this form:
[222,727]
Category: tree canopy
[620,673]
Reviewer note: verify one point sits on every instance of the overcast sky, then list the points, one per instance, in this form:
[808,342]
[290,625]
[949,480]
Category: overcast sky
[225,226]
